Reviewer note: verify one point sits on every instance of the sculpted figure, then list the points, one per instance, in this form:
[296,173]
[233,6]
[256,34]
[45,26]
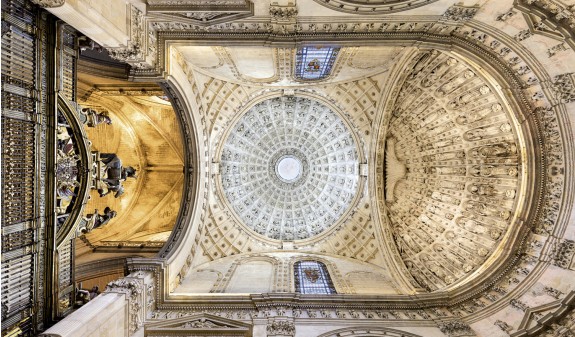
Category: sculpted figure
[491,191]
[115,174]
[422,63]
[442,197]
[96,220]
[486,210]
[477,115]
[437,72]
[504,149]
[493,171]
[96,118]
[486,132]
[460,171]
[464,99]
[454,83]
[470,225]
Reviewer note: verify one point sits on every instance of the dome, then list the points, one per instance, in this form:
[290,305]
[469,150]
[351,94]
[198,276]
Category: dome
[289,168]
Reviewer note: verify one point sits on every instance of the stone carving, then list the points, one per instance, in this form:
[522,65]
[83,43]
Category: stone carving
[440,175]
[522,35]
[203,324]
[49,3]
[455,328]
[559,15]
[556,49]
[283,13]
[134,52]
[564,87]
[460,13]
[95,220]
[395,170]
[503,326]
[94,118]
[133,288]
[281,328]
[565,254]
[510,13]
[552,292]
[517,304]
[109,174]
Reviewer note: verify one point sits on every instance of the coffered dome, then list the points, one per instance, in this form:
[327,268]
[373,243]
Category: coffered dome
[289,168]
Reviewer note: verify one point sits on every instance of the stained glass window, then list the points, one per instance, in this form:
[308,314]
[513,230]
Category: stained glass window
[311,277]
[314,63]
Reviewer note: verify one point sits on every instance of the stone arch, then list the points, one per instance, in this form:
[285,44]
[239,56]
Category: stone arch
[241,269]
[368,332]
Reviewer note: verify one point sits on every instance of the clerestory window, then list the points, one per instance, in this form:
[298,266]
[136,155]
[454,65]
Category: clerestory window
[314,63]
[312,277]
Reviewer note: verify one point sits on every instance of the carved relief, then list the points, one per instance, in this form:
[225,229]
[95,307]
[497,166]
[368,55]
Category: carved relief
[49,3]
[462,170]
[456,328]
[564,256]
[280,328]
[134,289]
[460,13]
[564,87]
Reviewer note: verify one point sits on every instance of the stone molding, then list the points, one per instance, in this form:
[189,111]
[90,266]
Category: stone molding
[551,13]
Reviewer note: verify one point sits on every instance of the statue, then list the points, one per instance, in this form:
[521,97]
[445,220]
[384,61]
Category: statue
[96,220]
[84,296]
[95,118]
[115,174]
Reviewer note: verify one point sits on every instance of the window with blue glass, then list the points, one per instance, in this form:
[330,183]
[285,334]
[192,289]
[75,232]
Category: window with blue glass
[314,63]
[311,277]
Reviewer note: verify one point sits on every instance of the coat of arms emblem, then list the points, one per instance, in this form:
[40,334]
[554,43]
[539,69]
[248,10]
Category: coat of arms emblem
[311,274]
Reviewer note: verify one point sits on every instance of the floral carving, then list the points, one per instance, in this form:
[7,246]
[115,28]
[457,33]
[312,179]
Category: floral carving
[456,328]
[281,328]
